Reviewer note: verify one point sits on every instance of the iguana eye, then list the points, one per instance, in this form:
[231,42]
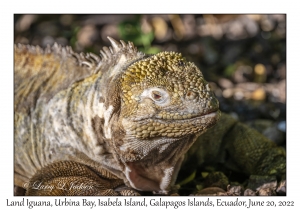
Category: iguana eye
[156,96]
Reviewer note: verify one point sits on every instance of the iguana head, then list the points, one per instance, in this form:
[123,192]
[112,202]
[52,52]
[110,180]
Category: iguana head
[163,103]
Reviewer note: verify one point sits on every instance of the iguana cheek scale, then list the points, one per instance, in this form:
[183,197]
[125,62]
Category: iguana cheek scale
[126,118]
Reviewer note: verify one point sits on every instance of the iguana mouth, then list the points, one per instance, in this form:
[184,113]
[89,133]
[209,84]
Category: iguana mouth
[183,117]
[169,128]
[189,117]
[177,116]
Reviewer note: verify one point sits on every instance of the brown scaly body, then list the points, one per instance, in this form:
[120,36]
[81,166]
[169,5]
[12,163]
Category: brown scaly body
[125,118]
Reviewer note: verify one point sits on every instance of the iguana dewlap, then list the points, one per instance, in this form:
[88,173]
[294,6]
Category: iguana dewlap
[126,118]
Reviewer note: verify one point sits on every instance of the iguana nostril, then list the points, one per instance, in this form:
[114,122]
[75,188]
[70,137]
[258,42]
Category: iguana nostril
[190,95]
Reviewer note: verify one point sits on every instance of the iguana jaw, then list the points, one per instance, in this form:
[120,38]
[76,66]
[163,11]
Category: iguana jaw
[147,129]
[152,164]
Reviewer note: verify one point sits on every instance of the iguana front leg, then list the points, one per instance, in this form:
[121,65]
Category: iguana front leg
[241,149]
[254,153]
[67,178]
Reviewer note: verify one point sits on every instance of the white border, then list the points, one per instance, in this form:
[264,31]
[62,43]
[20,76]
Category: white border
[8,8]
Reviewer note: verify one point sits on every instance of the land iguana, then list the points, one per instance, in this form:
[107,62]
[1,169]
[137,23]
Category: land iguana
[120,123]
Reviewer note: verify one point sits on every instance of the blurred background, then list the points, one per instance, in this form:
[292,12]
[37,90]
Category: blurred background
[243,56]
